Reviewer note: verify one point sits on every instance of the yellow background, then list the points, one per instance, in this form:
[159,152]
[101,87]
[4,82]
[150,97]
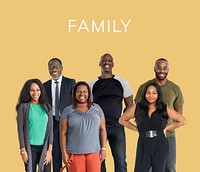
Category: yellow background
[34,31]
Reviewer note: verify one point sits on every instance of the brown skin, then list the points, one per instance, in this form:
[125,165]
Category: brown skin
[161,70]
[152,96]
[35,93]
[81,97]
[55,69]
[63,139]
[106,63]
[179,120]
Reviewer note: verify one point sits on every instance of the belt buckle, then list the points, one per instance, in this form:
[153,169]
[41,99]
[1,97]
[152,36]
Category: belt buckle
[151,134]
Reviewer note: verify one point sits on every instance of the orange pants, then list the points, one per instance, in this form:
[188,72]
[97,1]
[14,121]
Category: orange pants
[84,162]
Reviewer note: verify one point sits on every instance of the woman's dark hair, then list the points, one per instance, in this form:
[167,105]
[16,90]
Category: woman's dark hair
[142,107]
[74,101]
[25,97]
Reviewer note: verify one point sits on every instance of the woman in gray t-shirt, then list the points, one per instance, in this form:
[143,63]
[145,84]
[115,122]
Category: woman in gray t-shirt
[83,132]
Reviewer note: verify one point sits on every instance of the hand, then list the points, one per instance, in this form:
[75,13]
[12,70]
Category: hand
[48,157]
[102,155]
[24,156]
[165,132]
[66,159]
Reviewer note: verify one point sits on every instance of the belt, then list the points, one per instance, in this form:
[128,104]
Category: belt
[151,133]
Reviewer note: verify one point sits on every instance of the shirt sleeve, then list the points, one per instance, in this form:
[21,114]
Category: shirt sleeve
[126,86]
[50,125]
[98,108]
[66,112]
[20,125]
[179,99]
[91,84]
[138,96]
[127,89]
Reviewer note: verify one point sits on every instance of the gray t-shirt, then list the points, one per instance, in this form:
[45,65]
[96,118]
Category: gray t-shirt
[83,135]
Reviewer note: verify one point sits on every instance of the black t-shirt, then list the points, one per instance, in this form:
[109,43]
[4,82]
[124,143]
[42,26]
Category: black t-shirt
[109,94]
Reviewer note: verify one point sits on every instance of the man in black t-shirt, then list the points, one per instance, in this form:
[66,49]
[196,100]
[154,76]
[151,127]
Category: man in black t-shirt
[109,91]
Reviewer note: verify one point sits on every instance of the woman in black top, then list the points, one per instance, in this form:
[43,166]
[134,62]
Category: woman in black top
[151,116]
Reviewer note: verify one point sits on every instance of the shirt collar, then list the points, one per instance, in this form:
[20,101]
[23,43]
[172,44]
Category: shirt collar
[59,79]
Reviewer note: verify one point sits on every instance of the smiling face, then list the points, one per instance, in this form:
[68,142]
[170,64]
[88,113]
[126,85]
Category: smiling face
[55,69]
[106,63]
[35,93]
[82,94]
[151,94]
[161,69]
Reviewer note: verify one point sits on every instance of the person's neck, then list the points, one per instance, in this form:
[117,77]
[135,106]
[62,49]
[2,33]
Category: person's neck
[81,105]
[152,107]
[56,79]
[106,75]
[161,82]
[34,102]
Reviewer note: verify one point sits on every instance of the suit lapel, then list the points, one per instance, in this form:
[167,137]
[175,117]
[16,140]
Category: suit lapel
[49,93]
[63,84]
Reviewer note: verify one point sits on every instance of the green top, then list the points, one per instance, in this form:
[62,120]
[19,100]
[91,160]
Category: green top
[37,119]
[172,96]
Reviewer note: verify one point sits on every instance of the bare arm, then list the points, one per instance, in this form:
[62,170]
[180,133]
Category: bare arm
[63,139]
[48,155]
[103,137]
[50,147]
[128,102]
[125,118]
[179,109]
[178,119]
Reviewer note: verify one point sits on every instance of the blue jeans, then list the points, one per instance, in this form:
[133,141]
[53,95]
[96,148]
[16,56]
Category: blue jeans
[171,161]
[117,141]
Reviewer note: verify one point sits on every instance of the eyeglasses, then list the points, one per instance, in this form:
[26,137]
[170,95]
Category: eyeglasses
[57,67]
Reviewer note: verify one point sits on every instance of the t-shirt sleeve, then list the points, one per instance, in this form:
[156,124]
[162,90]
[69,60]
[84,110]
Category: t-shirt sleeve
[179,97]
[138,96]
[100,111]
[91,84]
[126,86]
[127,89]
[66,112]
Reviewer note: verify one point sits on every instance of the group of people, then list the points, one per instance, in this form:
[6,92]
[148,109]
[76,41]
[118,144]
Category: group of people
[69,122]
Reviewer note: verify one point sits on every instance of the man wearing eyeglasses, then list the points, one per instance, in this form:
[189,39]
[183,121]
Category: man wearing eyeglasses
[59,91]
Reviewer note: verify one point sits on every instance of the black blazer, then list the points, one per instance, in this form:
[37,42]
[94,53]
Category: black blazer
[65,92]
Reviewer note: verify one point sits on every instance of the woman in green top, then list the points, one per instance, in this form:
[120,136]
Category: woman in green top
[35,127]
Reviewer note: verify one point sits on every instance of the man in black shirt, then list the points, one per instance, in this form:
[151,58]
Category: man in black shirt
[109,91]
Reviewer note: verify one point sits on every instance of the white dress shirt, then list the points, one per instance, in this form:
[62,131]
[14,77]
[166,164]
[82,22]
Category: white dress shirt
[53,88]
